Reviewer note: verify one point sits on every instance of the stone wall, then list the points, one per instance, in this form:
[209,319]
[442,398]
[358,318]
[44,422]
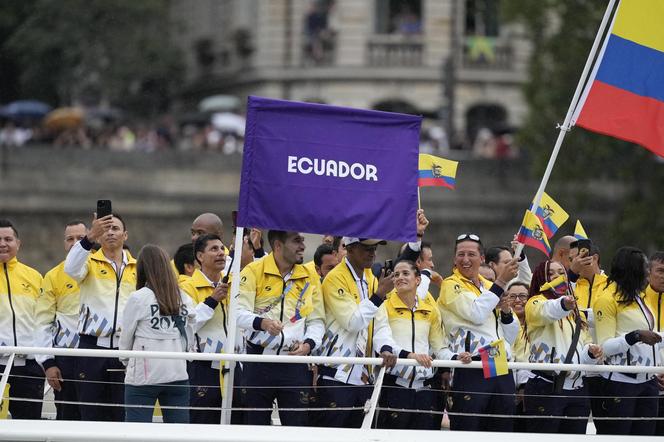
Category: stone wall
[159,194]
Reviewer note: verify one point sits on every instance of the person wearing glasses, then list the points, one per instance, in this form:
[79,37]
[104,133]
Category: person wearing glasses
[557,333]
[468,305]
[625,327]
[517,295]
[352,296]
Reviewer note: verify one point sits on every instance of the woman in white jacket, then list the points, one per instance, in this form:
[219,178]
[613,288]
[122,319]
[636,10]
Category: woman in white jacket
[157,317]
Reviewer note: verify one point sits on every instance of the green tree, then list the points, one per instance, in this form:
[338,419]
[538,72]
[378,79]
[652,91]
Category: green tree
[99,52]
[591,169]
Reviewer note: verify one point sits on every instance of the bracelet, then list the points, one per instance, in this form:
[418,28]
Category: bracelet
[500,282]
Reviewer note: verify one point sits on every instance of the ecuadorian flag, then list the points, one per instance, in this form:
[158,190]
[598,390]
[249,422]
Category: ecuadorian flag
[551,215]
[579,231]
[436,171]
[494,359]
[624,97]
[532,234]
[558,285]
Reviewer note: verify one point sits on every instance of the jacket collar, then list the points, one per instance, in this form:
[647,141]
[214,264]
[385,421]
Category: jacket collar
[200,280]
[270,268]
[12,263]
[126,257]
[398,303]
[485,283]
[651,291]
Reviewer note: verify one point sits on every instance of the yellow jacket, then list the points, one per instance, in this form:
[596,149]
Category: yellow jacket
[402,330]
[655,301]
[19,290]
[57,311]
[614,320]
[296,301]
[469,315]
[103,292]
[211,326]
[349,325]
[550,330]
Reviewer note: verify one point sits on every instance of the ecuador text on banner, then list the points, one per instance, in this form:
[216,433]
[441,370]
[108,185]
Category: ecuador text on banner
[625,95]
[327,169]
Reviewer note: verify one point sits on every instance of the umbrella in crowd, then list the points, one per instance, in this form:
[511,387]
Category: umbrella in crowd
[219,103]
[228,122]
[64,118]
[25,109]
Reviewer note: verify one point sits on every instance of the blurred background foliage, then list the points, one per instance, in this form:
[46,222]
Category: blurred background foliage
[91,52]
[562,32]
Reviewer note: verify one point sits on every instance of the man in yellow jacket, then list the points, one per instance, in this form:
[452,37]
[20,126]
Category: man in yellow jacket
[352,296]
[106,278]
[473,317]
[19,290]
[57,319]
[655,300]
[281,310]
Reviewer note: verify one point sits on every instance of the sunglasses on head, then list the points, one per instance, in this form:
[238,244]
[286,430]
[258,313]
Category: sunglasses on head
[468,236]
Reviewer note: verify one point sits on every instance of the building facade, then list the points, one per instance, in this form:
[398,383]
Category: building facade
[452,61]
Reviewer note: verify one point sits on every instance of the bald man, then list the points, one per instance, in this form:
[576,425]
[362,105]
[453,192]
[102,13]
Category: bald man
[207,223]
[561,251]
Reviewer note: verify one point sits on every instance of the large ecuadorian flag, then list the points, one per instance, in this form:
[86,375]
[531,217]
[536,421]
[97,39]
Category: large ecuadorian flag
[624,96]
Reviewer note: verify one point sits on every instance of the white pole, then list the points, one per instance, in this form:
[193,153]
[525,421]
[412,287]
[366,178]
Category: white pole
[5,377]
[566,124]
[375,395]
[227,393]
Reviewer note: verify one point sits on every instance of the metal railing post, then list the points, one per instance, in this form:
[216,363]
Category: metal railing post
[368,418]
[5,377]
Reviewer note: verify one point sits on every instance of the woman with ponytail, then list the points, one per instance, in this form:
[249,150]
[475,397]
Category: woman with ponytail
[624,325]
[556,333]
[157,317]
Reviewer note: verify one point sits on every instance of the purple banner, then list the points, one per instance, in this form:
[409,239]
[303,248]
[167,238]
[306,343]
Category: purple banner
[329,170]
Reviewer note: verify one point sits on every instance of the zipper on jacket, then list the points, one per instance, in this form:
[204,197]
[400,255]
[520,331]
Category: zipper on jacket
[412,343]
[223,314]
[11,305]
[590,293]
[659,312]
[118,280]
[85,321]
[55,334]
[281,317]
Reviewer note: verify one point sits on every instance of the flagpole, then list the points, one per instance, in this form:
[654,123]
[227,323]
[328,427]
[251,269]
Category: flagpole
[566,124]
[227,392]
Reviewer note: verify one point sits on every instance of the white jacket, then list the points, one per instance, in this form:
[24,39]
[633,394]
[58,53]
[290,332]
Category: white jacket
[143,328]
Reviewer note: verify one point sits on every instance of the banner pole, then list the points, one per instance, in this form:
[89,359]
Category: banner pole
[227,392]
[566,124]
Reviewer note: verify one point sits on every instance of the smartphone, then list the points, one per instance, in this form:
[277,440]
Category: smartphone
[104,208]
[389,266]
[584,244]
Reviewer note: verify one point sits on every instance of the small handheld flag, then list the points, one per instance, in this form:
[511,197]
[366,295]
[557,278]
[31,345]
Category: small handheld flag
[494,359]
[532,234]
[436,171]
[551,215]
[579,231]
[558,285]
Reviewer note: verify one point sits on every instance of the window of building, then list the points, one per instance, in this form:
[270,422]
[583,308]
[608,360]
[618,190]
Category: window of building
[483,17]
[399,17]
